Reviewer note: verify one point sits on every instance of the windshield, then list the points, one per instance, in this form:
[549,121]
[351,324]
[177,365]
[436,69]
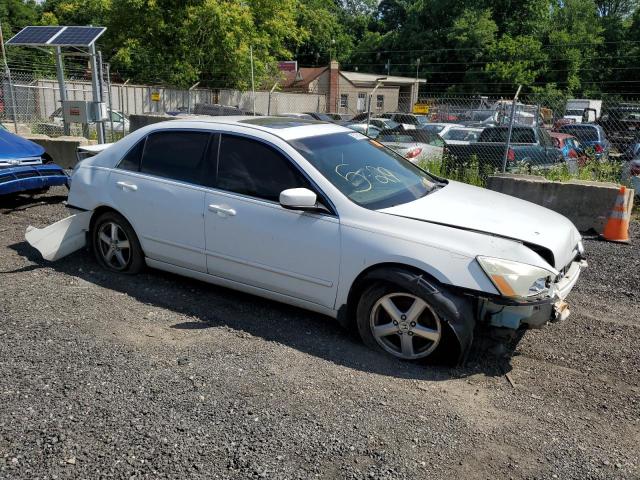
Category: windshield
[575,113]
[433,128]
[365,171]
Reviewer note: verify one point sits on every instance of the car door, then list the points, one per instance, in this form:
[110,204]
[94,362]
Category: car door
[158,188]
[252,239]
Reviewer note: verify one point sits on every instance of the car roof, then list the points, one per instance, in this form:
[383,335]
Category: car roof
[287,128]
[562,136]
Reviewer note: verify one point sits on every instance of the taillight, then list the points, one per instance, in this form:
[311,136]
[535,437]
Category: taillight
[413,153]
[511,155]
[598,148]
[573,153]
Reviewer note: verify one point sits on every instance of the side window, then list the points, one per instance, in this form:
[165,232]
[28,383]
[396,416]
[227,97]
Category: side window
[131,161]
[252,168]
[178,155]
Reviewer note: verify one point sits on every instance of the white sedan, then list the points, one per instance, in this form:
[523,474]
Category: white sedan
[322,217]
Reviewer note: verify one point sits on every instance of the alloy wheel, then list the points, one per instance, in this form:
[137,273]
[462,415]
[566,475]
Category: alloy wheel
[405,326]
[114,246]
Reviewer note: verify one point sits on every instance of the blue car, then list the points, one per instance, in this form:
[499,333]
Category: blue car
[590,136]
[24,167]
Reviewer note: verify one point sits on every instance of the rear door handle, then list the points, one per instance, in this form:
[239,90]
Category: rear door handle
[127,186]
[222,210]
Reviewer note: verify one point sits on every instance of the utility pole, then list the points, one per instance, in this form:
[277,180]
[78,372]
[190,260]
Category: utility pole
[253,86]
[7,72]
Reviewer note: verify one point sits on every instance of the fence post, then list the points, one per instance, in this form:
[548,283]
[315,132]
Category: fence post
[508,143]
[12,97]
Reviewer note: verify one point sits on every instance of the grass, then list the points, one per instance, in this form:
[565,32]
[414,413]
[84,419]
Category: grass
[474,173]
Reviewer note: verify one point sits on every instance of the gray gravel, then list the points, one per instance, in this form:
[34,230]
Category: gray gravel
[156,376]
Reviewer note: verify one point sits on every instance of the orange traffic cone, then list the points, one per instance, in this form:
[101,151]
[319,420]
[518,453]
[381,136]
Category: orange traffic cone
[617,227]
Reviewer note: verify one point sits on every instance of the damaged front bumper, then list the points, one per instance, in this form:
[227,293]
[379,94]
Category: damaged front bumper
[31,177]
[515,314]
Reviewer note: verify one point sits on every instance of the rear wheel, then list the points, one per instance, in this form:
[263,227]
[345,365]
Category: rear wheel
[116,245]
[399,323]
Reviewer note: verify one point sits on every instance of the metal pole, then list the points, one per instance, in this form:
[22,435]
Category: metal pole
[270,93]
[513,115]
[61,86]
[378,83]
[189,96]
[111,104]
[253,86]
[7,71]
[95,83]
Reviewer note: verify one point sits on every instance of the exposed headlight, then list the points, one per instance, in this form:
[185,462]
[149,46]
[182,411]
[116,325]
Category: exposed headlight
[580,247]
[514,279]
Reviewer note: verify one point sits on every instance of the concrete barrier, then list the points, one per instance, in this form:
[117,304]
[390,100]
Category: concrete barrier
[137,121]
[587,204]
[62,150]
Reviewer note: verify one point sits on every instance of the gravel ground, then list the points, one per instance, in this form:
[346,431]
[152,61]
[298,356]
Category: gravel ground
[156,376]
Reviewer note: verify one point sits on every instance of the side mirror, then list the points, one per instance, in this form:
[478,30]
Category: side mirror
[299,199]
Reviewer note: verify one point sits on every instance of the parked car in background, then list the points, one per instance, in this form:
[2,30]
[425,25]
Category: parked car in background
[571,148]
[633,151]
[413,144]
[305,116]
[25,167]
[580,110]
[383,123]
[440,128]
[621,124]
[371,132]
[407,120]
[591,136]
[323,218]
[325,117]
[461,135]
[531,146]
[119,120]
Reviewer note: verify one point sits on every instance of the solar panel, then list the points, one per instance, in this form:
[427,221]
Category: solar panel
[34,35]
[57,36]
[77,36]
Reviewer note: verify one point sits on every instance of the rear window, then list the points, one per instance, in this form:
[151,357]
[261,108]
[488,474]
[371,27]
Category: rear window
[178,155]
[588,134]
[499,135]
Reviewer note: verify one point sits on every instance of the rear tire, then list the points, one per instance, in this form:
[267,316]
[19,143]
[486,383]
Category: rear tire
[115,244]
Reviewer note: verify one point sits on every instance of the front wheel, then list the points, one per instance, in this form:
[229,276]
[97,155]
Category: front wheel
[400,323]
[116,245]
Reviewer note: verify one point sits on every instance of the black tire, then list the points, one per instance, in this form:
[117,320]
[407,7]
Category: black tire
[115,256]
[409,328]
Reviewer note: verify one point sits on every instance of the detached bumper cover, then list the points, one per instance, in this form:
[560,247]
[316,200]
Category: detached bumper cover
[31,177]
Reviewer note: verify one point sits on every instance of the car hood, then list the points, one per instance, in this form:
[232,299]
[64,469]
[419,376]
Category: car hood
[13,146]
[472,208]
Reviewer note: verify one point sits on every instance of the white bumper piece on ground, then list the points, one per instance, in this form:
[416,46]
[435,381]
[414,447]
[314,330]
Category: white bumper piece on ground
[61,238]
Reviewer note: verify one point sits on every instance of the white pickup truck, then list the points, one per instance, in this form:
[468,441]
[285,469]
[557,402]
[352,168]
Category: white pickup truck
[583,109]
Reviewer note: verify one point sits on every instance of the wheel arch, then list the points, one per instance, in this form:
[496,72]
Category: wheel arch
[104,209]
[455,309]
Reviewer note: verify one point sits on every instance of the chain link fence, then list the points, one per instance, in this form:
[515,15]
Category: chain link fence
[464,137]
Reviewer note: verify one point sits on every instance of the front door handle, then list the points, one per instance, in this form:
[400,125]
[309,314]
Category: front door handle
[222,211]
[127,186]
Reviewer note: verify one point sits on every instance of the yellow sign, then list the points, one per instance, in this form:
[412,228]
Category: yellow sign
[155,96]
[421,108]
